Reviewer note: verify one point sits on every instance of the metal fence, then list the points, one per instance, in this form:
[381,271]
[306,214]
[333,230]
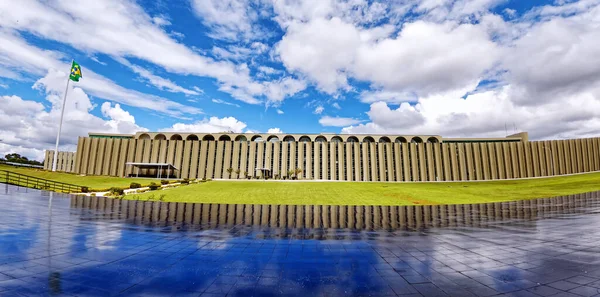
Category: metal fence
[22,180]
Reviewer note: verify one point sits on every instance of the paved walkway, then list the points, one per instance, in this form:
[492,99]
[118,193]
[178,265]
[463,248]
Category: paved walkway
[53,244]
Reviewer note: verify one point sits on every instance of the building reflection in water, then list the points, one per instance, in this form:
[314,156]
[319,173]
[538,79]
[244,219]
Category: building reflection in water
[414,218]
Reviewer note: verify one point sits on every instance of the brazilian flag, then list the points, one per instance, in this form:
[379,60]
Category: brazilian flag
[75,72]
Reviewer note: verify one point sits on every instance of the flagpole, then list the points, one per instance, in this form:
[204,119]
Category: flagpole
[62,114]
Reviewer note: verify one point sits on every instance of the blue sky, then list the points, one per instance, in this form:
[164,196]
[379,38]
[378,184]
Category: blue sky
[444,67]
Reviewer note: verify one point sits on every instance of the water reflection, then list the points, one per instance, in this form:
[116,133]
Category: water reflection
[414,218]
[64,245]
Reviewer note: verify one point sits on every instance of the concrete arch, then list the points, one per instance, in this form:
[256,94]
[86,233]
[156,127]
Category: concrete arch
[289,138]
[224,138]
[241,138]
[208,137]
[400,140]
[305,139]
[176,137]
[336,139]
[416,139]
[352,139]
[273,138]
[192,137]
[368,139]
[432,140]
[257,138]
[144,136]
[320,138]
[384,139]
[160,136]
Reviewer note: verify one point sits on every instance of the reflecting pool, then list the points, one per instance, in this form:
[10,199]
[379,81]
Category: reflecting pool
[59,245]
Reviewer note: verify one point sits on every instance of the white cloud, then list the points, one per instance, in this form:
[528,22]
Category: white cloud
[28,128]
[319,109]
[279,111]
[424,58]
[17,54]
[274,131]
[486,114]
[387,96]
[219,101]
[122,29]
[227,18]
[157,81]
[328,121]
[336,105]
[210,125]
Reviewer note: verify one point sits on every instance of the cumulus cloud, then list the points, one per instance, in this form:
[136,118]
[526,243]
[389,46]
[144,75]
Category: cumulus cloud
[279,111]
[210,125]
[29,128]
[274,131]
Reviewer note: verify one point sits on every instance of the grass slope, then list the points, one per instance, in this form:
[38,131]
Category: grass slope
[93,182]
[367,193]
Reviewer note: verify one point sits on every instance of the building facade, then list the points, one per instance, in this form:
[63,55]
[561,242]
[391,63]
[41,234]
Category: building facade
[331,156]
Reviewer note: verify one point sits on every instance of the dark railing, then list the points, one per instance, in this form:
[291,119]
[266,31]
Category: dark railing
[22,180]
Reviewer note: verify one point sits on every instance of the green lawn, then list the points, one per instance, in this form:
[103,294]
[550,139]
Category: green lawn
[363,193]
[93,182]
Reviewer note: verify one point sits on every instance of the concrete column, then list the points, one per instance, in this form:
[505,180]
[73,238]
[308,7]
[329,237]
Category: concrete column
[514,158]
[471,175]
[325,160]
[220,151]
[446,162]
[317,160]
[357,163]
[185,162]
[202,157]
[381,174]
[422,159]
[348,160]
[500,158]
[535,158]
[235,162]
[493,161]
[507,160]
[300,158]
[211,159]
[341,161]
[485,161]
[309,160]
[333,173]
[462,166]
[397,161]
[195,151]
[454,161]
[243,158]
[477,162]
[365,161]
[227,161]
[100,156]
[373,161]
[284,158]
[391,174]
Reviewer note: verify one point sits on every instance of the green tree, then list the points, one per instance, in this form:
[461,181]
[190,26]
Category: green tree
[229,170]
[297,171]
[237,172]
[290,173]
[16,158]
[245,174]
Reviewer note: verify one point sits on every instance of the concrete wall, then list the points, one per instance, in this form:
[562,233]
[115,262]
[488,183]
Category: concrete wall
[342,161]
[64,163]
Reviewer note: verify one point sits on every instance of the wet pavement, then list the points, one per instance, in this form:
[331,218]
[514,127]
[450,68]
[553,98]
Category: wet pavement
[58,245]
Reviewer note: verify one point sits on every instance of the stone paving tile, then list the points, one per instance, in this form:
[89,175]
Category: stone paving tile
[57,245]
